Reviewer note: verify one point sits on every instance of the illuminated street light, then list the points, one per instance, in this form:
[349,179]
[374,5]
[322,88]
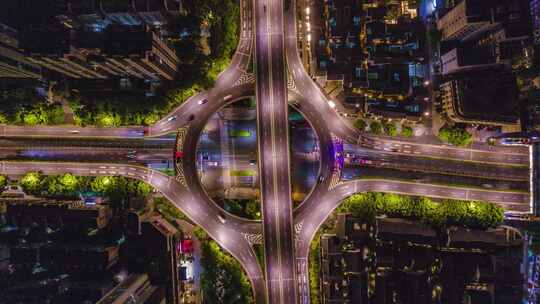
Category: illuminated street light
[426,113]
[426,83]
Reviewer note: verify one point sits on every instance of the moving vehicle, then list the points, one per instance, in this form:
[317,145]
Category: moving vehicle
[171,118]
[202,101]
[191,117]
[253,162]
[74,131]
[515,141]
[221,218]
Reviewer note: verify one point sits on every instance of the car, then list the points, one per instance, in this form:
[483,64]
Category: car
[321,179]
[227,97]
[515,141]
[202,101]
[221,218]
[253,162]
[74,131]
[131,156]
[264,8]
[191,117]
[212,163]
[171,118]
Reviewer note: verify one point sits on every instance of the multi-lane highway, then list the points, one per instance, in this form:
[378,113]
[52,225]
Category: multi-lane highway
[273,144]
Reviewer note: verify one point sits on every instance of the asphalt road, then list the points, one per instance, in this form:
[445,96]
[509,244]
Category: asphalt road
[237,235]
[273,143]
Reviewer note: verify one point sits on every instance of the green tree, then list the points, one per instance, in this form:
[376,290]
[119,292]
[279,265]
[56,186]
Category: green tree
[31,182]
[314,268]
[472,214]
[69,182]
[253,209]
[360,124]
[108,119]
[3,118]
[222,278]
[390,128]
[455,136]
[375,127]
[151,118]
[103,184]
[407,131]
[143,189]
[3,182]
[31,119]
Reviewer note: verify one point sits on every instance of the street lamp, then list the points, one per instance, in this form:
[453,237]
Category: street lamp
[426,83]
[426,113]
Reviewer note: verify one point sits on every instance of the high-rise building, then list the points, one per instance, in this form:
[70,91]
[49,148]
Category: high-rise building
[338,51]
[14,66]
[399,261]
[469,16]
[95,45]
[468,93]
[157,243]
[111,56]
[134,289]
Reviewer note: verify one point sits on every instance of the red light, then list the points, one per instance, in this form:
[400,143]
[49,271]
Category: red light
[179,154]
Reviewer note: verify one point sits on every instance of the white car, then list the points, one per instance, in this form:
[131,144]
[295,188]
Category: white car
[202,101]
[74,131]
[171,118]
[221,218]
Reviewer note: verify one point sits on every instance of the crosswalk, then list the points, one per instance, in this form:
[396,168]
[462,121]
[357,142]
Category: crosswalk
[253,239]
[245,78]
[178,162]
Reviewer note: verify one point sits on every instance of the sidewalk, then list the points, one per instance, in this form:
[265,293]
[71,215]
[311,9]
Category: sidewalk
[428,138]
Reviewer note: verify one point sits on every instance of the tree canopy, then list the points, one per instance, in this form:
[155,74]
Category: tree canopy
[472,214]
[455,135]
